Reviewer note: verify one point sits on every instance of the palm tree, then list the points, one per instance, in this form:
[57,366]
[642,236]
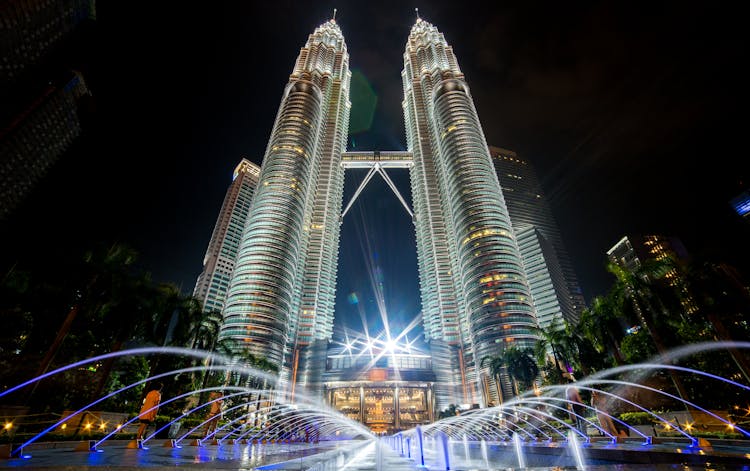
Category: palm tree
[98,277]
[557,341]
[596,324]
[638,287]
[519,365]
[206,333]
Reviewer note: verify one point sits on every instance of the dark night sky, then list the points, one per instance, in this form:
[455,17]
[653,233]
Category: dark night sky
[632,114]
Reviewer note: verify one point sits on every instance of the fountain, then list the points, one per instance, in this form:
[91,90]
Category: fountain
[262,426]
[536,426]
[575,447]
[305,426]
[517,443]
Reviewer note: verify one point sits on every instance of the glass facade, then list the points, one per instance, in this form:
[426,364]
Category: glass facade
[529,211]
[218,264]
[282,292]
[36,138]
[475,298]
[546,280]
[386,392]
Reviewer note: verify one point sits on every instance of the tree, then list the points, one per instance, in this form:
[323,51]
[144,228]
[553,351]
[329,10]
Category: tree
[599,324]
[637,347]
[519,364]
[98,277]
[640,288]
[554,340]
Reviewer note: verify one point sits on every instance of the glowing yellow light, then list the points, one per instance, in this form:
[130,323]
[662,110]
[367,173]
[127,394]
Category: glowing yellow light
[88,426]
[102,425]
[667,427]
[8,425]
[64,426]
[689,426]
[730,426]
[118,426]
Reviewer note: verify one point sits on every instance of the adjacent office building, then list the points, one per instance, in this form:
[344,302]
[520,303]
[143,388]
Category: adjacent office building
[39,97]
[552,279]
[631,252]
[32,29]
[36,138]
[213,282]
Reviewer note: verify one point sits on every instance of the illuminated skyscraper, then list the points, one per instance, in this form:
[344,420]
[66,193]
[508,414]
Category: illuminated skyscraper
[475,297]
[212,284]
[282,293]
[553,283]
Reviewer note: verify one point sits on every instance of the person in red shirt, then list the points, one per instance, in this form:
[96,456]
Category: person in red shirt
[147,415]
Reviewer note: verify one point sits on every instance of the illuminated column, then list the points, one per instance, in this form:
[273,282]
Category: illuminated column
[262,311]
[457,197]
[442,298]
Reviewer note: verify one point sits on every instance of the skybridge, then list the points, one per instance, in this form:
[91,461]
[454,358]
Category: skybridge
[377,162]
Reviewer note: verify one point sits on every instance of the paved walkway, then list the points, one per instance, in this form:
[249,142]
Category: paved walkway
[115,455]
[369,456]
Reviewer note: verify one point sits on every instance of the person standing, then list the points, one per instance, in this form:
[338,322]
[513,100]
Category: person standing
[147,415]
[214,413]
[575,406]
[599,403]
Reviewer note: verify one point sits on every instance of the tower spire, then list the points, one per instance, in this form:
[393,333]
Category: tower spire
[334,15]
[417,11]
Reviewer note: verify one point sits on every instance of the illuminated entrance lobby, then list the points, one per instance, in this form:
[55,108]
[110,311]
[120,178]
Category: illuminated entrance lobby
[385,385]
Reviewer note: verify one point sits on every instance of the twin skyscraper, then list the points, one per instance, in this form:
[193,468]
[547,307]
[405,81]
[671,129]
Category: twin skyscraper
[475,297]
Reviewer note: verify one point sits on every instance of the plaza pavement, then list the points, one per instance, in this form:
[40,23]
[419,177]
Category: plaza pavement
[115,455]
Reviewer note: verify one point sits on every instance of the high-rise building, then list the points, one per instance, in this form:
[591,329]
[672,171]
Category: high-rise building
[35,139]
[213,282]
[40,96]
[31,29]
[631,252]
[282,294]
[531,215]
[546,279]
[475,297]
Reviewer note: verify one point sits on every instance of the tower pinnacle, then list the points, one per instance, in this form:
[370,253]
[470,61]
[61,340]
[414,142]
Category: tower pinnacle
[334,16]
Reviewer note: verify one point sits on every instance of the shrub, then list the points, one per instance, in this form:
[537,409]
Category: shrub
[637,418]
